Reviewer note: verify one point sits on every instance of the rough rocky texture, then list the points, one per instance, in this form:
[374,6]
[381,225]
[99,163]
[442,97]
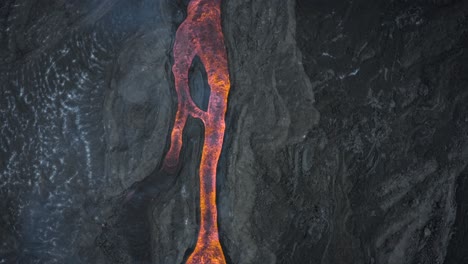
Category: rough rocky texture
[347,133]
[56,63]
[389,84]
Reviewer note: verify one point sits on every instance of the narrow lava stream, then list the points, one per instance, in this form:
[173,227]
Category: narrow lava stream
[201,35]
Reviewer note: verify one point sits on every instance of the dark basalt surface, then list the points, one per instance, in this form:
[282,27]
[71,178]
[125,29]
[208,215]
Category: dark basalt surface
[346,142]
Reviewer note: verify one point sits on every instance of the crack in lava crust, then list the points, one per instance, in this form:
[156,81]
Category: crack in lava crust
[201,35]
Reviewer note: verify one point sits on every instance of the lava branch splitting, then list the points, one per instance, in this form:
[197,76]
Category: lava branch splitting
[201,35]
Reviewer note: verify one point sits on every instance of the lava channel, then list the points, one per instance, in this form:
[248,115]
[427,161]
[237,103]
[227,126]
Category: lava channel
[201,35]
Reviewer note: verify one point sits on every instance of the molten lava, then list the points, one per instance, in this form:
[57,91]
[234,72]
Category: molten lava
[201,35]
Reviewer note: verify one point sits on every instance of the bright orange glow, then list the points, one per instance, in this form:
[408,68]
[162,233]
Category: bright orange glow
[201,35]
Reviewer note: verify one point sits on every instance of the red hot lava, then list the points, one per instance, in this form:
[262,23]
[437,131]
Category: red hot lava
[201,35]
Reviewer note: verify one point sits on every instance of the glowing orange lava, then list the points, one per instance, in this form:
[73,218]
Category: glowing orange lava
[201,35]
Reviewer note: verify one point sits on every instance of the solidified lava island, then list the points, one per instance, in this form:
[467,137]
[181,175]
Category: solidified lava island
[201,35]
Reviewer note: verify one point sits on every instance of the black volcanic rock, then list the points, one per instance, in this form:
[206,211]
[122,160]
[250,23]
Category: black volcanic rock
[346,140]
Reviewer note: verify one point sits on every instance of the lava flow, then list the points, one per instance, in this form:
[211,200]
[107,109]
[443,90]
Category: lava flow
[201,35]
